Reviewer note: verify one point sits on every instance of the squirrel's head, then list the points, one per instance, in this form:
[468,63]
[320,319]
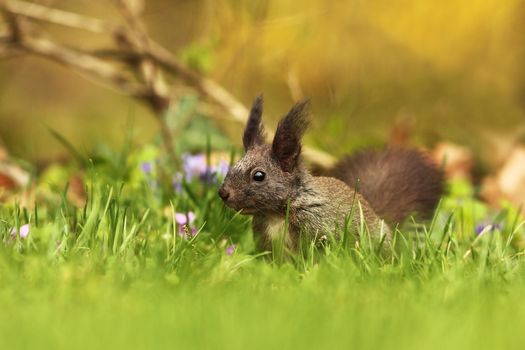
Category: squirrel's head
[267,176]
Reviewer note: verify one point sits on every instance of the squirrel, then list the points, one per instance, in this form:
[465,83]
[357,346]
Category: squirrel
[379,189]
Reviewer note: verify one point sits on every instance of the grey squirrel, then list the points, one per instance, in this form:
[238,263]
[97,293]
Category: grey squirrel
[378,189]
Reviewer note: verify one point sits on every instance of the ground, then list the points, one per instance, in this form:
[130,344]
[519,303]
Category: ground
[144,260]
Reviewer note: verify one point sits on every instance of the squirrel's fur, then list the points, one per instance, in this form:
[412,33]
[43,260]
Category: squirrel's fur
[270,183]
[396,182]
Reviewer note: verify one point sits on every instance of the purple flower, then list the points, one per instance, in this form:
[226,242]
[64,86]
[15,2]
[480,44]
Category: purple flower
[479,228]
[491,227]
[146,167]
[230,249]
[185,227]
[186,231]
[194,166]
[222,169]
[184,218]
[23,232]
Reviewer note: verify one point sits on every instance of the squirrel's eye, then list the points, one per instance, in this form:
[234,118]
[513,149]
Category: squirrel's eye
[259,176]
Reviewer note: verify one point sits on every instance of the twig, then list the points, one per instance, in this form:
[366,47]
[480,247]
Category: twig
[148,67]
[150,73]
[136,49]
[91,67]
[56,16]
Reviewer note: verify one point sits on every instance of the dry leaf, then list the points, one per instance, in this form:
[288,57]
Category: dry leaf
[6,182]
[457,160]
[13,176]
[509,182]
[77,192]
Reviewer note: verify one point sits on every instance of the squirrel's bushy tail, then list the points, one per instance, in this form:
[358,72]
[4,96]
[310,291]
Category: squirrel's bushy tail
[395,182]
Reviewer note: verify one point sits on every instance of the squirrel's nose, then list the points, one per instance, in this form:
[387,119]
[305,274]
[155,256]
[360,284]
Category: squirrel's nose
[224,193]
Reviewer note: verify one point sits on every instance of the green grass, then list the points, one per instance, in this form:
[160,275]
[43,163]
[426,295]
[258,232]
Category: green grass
[115,274]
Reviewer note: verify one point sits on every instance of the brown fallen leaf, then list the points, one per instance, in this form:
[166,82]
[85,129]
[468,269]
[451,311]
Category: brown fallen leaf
[77,192]
[509,182]
[7,182]
[12,176]
[457,160]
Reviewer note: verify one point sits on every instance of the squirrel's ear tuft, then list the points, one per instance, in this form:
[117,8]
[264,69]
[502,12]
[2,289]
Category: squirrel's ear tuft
[254,131]
[286,146]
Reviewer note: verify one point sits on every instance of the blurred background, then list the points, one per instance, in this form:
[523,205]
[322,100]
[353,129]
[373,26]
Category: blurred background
[441,70]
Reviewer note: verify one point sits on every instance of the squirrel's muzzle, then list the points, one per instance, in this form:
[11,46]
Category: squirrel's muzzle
[224,193]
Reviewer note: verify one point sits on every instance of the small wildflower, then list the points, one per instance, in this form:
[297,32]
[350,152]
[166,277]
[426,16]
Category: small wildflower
[184,218]
[185,227]
[490,227]
[215,173]
[222,169]
[146,167]
[23,232]
[479,228]
[187,232]
[194,166]
[230,249]
[147,170]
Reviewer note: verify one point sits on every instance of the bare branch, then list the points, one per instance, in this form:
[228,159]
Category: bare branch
[136,50]
[222,97]
[138,42]
[149,70]
[92,67]
[65,18]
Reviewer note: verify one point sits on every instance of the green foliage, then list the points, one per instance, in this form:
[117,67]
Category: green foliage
[188,126]
[199,56]
[116,272]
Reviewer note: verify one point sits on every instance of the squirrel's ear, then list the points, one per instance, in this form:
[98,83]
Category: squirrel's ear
[286,146]
[254,131]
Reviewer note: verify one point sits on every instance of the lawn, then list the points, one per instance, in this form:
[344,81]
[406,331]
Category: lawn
[149,258]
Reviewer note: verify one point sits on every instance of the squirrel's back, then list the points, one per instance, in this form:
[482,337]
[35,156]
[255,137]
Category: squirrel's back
[395,182]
